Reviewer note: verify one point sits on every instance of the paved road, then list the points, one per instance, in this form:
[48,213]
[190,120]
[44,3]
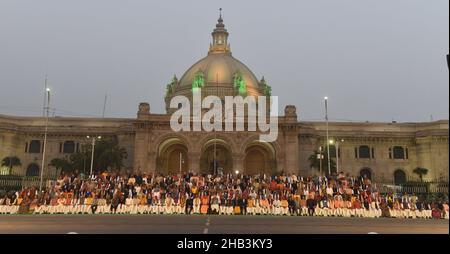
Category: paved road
[195,224]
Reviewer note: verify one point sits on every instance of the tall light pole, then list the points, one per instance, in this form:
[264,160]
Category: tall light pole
[47,109]
[320,157]
[328,143]
[92,153]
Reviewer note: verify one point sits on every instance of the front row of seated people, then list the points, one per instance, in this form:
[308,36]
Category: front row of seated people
[294,205]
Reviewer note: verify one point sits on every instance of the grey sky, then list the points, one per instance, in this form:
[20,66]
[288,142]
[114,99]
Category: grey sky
[376,60]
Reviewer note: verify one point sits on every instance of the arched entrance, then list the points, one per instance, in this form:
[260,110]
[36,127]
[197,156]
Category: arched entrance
[366,172]
[32,170]
[259,158]
[399,177]
[223,159]
[172,157]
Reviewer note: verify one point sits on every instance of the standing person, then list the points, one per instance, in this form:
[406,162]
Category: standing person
[243,204]
[114,204]
[189,203]
[311,204]
[94,204]
[292,206]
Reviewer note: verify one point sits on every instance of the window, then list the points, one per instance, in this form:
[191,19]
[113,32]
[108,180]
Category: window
[366,172]
[26,147]
[69,147]
[356,153]
[399,177]
[364,152]
[35,146]
[398,152]
[32,170]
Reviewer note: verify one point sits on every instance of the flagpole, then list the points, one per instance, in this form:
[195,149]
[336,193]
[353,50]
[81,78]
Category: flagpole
[47,108]
[328,142]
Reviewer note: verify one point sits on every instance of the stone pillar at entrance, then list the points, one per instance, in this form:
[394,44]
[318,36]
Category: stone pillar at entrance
[290,129]
[238,162]
[194,162]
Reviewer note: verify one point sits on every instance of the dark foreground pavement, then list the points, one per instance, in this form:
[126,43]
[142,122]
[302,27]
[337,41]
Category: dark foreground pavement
[194,224]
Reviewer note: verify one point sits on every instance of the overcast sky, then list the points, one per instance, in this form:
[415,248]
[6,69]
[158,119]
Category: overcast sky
[376,60]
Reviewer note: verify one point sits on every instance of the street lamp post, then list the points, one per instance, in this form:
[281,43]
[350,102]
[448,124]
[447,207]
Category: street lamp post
[47,109]
[328,145]
[92,152]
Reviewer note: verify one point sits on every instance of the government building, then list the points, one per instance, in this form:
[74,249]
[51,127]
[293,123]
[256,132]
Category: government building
[388,151]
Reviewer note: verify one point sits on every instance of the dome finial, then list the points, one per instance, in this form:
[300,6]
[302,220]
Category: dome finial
[220,37]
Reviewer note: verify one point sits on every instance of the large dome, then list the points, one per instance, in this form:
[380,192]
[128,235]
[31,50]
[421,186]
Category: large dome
[219,73]
[219,70]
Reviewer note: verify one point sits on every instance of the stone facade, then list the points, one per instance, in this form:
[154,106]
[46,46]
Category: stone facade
[379,149]
[150,144]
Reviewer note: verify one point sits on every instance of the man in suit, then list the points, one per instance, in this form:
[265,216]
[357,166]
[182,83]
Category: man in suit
[292,206]
[311,204]
[189,203]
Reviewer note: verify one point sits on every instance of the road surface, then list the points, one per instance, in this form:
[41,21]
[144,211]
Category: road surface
[214,224]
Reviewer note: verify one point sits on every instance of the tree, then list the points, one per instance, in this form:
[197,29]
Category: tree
[80,160]
[10,162]
[314,162]
[61,164]
[420,172]
[107,153]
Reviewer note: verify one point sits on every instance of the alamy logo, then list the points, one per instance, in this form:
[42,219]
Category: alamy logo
[234,111]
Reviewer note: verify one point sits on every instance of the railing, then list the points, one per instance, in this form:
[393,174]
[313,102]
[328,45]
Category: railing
[17,182]
[424,187]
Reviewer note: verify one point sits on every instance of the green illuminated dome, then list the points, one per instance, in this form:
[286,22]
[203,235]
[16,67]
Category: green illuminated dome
[219,73]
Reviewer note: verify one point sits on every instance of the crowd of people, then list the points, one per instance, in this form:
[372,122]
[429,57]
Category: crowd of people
[339,195]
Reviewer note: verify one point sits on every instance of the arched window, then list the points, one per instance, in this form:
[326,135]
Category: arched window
[399,152]
[399,177]
[69,147]
[364,152]
[366,172]
[33,170]
[35,146]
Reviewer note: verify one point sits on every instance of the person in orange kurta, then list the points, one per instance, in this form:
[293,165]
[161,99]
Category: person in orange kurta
[204,204]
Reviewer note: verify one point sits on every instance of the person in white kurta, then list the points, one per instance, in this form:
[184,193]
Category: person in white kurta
[196,205]
[169,205]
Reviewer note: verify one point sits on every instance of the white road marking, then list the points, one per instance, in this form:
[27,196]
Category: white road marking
[72,233]
[205,230]
[372,233]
